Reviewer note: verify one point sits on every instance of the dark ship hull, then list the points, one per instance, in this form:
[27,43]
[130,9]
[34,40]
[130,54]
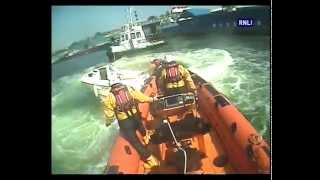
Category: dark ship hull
[196,21]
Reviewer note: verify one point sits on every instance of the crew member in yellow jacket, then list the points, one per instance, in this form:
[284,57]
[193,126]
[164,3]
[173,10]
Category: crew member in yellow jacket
[122,104]
[176,79]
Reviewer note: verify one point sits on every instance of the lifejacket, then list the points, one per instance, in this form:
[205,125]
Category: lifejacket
[172,72]
[124,100]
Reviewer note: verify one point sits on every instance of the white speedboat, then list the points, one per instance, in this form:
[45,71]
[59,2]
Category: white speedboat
[102,77]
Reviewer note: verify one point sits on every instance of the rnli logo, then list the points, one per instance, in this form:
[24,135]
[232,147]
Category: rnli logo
[245,22]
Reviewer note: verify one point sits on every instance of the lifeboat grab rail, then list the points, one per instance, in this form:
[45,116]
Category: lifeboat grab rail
[179,146]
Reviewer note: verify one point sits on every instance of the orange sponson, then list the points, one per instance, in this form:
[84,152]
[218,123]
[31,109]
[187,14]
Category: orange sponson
[123,158]
[236,133]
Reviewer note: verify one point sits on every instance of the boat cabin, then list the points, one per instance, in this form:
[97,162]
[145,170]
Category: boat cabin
[136,36]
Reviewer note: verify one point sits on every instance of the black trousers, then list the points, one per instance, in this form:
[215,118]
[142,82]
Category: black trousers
[128,128]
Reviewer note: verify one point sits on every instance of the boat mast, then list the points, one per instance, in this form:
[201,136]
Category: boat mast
[130,16]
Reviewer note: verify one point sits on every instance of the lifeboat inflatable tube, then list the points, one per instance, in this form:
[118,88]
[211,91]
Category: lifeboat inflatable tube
[237,134]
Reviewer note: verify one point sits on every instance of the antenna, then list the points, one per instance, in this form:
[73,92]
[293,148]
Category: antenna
[127,13]
[131,22]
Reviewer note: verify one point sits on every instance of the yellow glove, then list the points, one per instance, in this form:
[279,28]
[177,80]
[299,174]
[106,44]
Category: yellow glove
[147,137]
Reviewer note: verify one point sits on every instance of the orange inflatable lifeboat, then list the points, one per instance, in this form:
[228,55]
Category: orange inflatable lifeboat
[194,135]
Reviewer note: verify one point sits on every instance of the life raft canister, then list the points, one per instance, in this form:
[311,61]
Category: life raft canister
[172,72]
[124,101]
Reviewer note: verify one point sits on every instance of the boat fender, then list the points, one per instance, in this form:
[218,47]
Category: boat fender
[258,153]
[253,140]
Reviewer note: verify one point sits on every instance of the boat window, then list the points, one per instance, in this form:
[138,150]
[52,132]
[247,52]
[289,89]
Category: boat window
[126,36]
[133,35]
[103,74]
[122,38]
[138,34]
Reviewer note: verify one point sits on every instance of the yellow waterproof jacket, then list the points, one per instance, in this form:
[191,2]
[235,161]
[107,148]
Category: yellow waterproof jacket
[186,79]
[110,105]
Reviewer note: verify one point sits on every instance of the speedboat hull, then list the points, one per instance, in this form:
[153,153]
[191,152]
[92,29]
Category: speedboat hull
[102,77]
